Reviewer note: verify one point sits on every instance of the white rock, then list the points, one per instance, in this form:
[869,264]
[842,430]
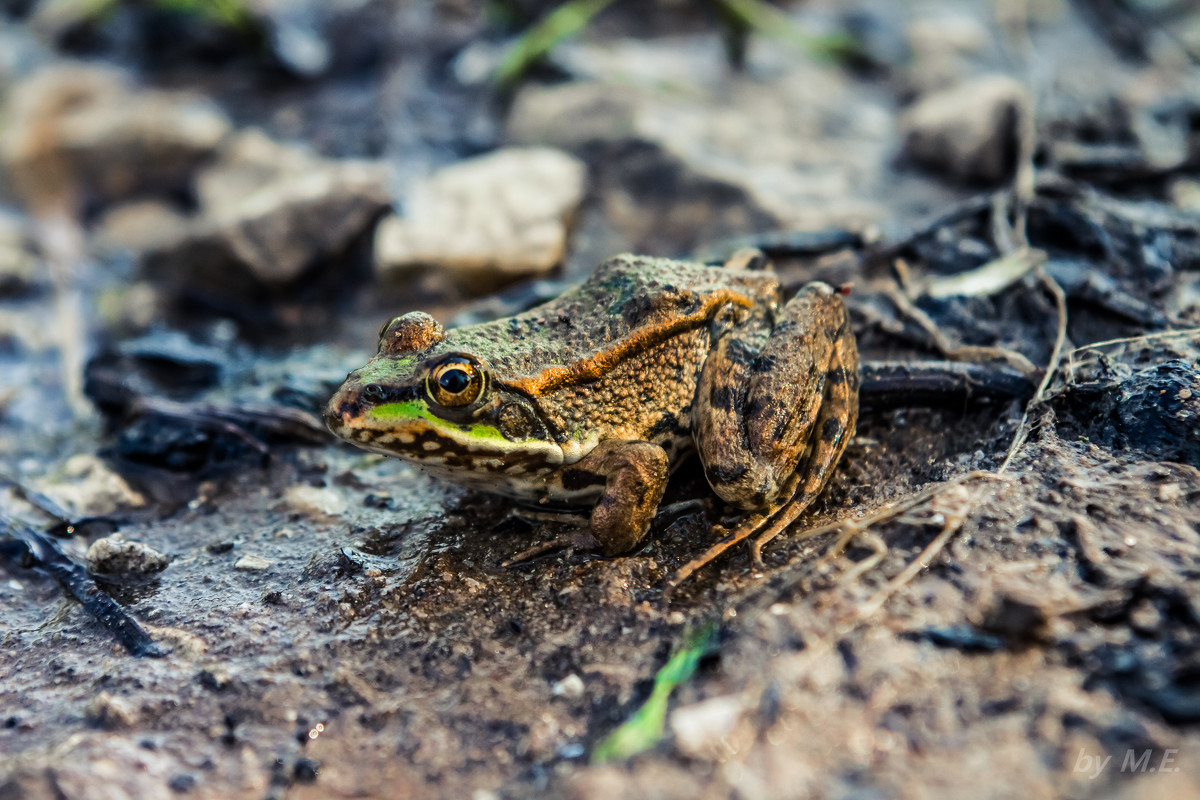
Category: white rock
[112,555]
[500,216]
[570,686]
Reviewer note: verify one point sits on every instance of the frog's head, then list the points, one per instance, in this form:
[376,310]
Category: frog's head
[426,400]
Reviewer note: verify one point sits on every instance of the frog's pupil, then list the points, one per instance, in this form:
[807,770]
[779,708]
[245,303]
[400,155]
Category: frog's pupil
[454,380]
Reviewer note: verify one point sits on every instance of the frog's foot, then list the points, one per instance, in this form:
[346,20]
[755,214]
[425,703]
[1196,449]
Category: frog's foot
[748,528]
[634,475]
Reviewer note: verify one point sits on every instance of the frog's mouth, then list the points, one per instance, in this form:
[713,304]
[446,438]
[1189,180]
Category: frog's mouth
[402,423]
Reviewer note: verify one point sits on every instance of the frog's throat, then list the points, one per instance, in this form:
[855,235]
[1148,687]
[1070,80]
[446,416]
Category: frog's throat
[409,429]
[638,342]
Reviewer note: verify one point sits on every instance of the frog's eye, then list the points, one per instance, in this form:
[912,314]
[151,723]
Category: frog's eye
[455,381]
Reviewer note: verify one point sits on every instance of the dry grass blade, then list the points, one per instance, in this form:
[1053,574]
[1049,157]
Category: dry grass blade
[953,352]
[1060,340]
[994,276]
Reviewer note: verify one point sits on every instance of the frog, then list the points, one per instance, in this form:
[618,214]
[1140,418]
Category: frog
[592,399]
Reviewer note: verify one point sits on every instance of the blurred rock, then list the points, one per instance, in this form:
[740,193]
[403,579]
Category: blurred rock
[971,132]
[313,501]
[114,556]
[17,262]
[88,488]
[493,219]
[138,226]
[941,42]
[1185,194]
[247,162]
[77,133]
[574,114]
[252,564]
[268,214]
[781,138]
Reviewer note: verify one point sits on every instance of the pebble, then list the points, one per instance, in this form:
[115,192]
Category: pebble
[113,555]
[252,563]
[571,687]
[700,728]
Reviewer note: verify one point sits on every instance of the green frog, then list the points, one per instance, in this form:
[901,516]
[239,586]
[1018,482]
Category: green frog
[591,399]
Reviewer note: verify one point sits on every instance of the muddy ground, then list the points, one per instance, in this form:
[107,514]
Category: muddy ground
[327,623]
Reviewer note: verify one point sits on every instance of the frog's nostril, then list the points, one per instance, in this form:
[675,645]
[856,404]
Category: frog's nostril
[374,393]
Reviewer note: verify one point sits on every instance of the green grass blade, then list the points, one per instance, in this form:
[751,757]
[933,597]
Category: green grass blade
[564,21]
[644,728]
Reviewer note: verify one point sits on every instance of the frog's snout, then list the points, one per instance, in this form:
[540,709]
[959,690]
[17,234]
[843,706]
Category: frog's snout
[342,410]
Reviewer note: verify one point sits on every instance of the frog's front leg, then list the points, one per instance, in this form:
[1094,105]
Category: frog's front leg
[772,421]
[634,476]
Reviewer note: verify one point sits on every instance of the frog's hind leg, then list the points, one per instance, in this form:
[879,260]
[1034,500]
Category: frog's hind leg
[771,423]
[833,431]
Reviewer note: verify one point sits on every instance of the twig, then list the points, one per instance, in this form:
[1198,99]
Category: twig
[891,384]
[1147,337]
[1060,339]
[50,558]
[950,526]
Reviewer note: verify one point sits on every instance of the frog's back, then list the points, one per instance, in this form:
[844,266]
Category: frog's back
[619,356]
[630,303]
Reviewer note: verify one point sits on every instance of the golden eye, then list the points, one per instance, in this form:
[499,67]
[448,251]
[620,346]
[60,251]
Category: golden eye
[455,381]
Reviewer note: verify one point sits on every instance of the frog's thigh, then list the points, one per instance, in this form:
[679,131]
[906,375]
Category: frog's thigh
[758,413]
[634,474]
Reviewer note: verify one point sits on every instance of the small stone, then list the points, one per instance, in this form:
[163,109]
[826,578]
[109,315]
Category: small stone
[112,555]
[972,131]
[113,712]
[1170,493]
[252,563]
[1144,617]
[570,687]
[494,218]
[1185,194]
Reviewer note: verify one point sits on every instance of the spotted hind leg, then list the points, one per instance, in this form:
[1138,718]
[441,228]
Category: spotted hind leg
[772,422]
